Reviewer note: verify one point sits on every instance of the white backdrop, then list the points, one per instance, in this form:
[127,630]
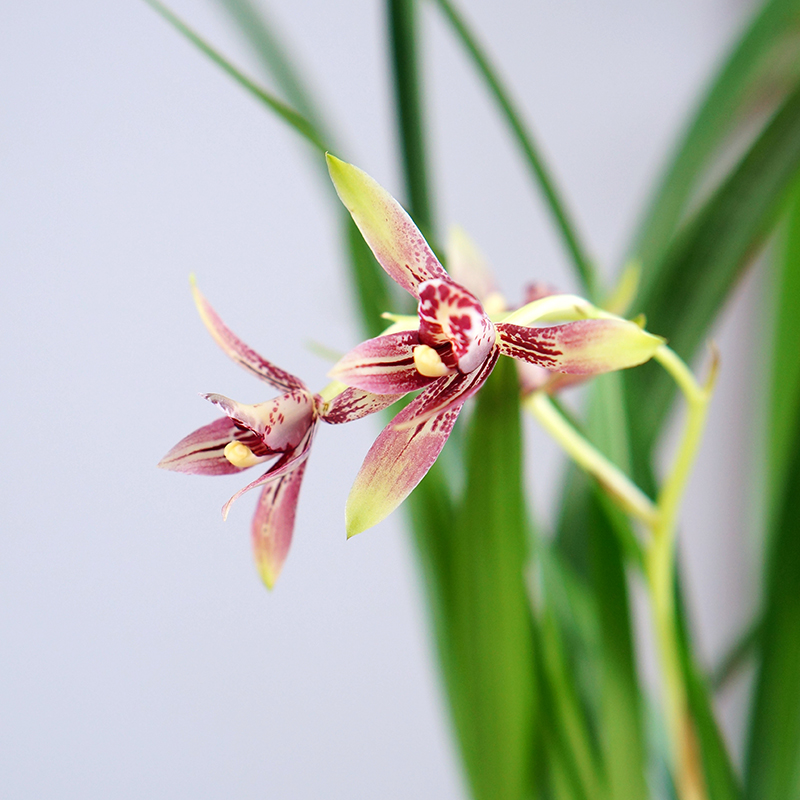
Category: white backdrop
[140,655]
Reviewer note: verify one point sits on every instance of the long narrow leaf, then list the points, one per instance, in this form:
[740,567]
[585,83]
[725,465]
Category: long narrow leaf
[720,776]
[489,620]
[773,759]
[703,264]
[621,727]
[284,111]
[526,142]
[403,41]
[270,48]
[757,76]
[785,379]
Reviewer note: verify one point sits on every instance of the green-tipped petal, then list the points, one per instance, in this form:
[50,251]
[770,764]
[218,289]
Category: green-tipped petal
[396,463]
[391,234]
[586,347]
[407,447]
[273,523]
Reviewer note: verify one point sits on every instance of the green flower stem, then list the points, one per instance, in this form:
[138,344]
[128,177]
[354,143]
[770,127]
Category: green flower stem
[659,561]
[585,455]
[660,573]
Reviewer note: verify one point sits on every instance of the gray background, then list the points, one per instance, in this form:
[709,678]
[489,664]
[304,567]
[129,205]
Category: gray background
[140,655]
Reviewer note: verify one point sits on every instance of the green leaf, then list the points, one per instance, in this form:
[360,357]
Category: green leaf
[403,41]
[597,537]
[526,142]
[720,776]
[773,758]
[370,284]
[284,111]
[704,261]
[621,728]
[368,279]
[269,45]
[739,655]
[755,79]
[785,378]
[565,714]
[485,632]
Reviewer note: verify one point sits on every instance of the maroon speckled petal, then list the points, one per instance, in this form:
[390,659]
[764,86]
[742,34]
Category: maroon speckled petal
[384,365]
[454,390]
[201,452]
[585,347]
[448,313]
[396,463]
[237,350]
[354,404]
[273,523]
[286,462]
[280,424]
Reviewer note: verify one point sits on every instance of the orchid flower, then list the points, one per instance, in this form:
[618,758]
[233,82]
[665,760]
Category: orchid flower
[468,267]
[279,430]
[451,349]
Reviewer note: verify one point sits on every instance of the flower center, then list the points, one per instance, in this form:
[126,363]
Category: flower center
[429,363]
[240,455]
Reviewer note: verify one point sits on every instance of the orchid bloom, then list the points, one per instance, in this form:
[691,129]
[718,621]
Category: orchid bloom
[468,267]
[279,430]
[451,349]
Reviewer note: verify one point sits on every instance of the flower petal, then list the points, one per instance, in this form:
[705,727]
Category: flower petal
[586,347]
[354,404]
[395,464]
[450,391]
[383,365]
[467,266]
[202,452]
[237,350]
[390,233]
[273,523]
[287,461]
[280,424]
[407,447]
[449,313]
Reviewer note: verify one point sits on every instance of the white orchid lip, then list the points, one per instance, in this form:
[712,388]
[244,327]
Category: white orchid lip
[429,363]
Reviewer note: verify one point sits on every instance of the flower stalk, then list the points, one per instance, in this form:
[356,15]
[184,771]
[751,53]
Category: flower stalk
[629,496]
[660,518]
[660,575]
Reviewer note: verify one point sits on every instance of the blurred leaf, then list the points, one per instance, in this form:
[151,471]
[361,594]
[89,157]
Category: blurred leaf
[284,111]
[742,651]
[773,758]
[609,543]
[404,38]
[565,716]
[488,626]
[370,282]
[620,728]
[761,70]
[374,291]
[720,776]
[526,142]
[702,264]
[785,378]
[270,47]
